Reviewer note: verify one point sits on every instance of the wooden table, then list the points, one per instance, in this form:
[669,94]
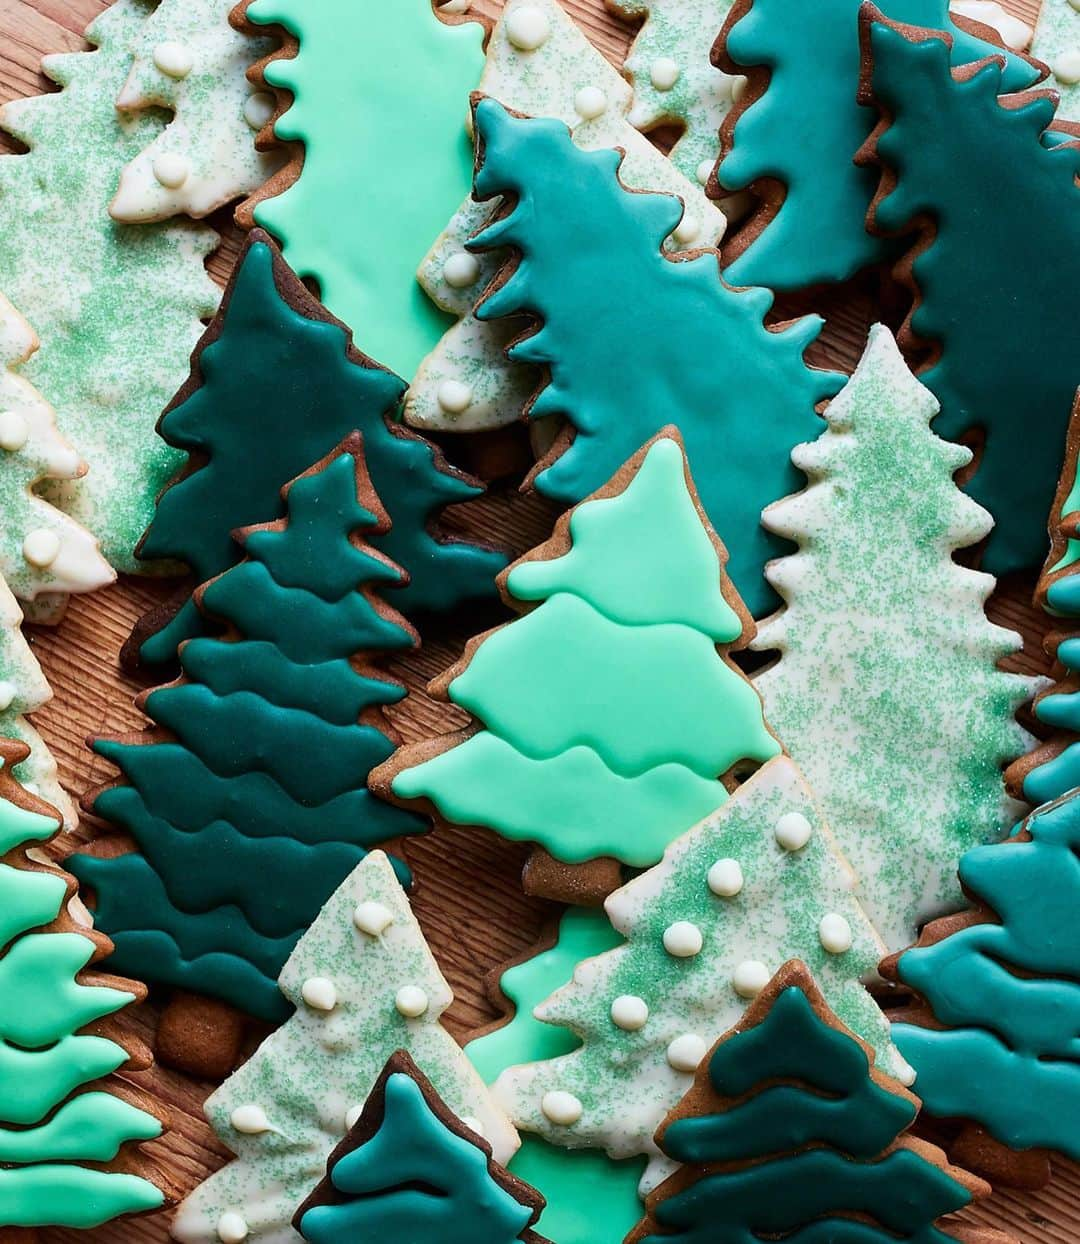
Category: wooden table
[468,897]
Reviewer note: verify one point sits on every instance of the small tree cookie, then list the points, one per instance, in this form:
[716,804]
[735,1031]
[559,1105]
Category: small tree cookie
[190,60]
[68,1136]
[789,1130]
[410,1169]
[365,985]
[609,712]
[878,613]
[758,882]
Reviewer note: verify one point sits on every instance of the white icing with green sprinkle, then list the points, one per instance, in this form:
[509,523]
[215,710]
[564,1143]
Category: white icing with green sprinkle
[210,130]
[564,76]
[1057,43]
[624,1078]
[117,308]
[312,1074]
[886,691]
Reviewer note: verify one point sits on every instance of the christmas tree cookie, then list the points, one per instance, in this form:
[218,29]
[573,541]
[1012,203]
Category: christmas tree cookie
[117,309]
[1001,992]
[411,1169]
[591,1199]
[374,103]
[616,315]
[294,386]
[365,985]
[945,145]
[674,79]
[789,1131]
[190,60]
[68,1136]
[887,662]
[1057,44]
[803,62]
[607,714]
[44,554]
[539,63]
[248,796]
[756,883]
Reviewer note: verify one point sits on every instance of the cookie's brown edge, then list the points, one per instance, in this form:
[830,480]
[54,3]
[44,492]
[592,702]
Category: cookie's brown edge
[371,1120]
[131,1159]
[492,981]
[578,885]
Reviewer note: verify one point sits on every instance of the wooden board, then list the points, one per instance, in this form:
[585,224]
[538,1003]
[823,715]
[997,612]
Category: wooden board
[468,897]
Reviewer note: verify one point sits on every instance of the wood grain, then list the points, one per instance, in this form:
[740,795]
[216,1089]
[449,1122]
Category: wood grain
[468,897]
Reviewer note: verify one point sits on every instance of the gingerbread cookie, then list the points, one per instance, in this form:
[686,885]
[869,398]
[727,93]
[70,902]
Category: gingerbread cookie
[365,985]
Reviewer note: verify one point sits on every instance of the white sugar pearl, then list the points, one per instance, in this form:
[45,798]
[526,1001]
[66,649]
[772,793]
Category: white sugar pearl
[738,85]
[251,1120]
[473,1124]
[750,978]
[1066,68]
[174,60]
[686,1052]
[319,993]
[231,1228]
[682,939]
[454,397]
[171,170]
[590,102]
[1075,4]
[455,6]
[629,1012]
[793,831]
[527,28]
[835,933]
[351,1116]
[687,229]
[258,109]
[7,696]
[41,547]
[372,918]
[704,170]
[664,73]
[411,1001]
[461,270]
[726,878]
[14,431]
[562,1109]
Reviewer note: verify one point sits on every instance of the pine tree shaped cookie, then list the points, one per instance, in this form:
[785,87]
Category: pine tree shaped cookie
[803,62]
[365,985]
[117,309]
[999,982]
[190,60]
[539,63]
[945,145]
[758,882]
[702,357]
[1057,44]
[248,797]
[294,386]
[887,662]
[374,100]
[789,1131]
[44,554]
[67,1135]
[606,716]
[409,1169]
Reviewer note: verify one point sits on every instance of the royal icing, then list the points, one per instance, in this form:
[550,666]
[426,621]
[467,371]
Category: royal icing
[739,408]
[46,1134]
[625,1080]
[1056,43]
[376,98]
[320,1064]
[118,312]
[788,1133]
[243,833]
[565,77]
[870,625]
[618,745]
[817,232]
[189,59]
[1014,33]
[294,387]
[1002,988]
[976,151]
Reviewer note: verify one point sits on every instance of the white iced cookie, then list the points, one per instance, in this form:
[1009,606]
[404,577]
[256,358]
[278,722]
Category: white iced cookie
[1056,42]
